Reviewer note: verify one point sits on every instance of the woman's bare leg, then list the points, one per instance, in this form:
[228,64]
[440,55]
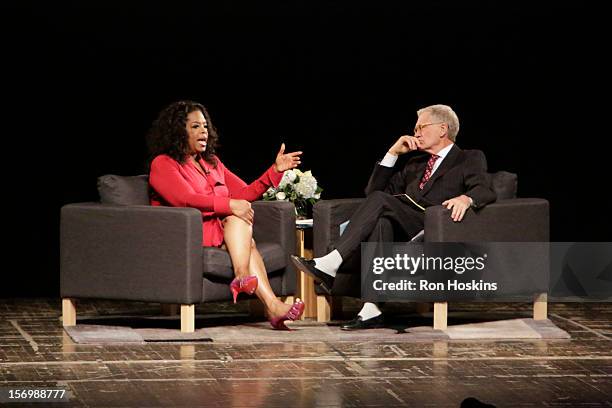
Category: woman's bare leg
[238,235]
[246,260]
[273,304]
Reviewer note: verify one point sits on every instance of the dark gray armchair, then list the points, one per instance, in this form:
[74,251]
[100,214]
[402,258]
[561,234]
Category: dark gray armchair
[123,248]
[510,219]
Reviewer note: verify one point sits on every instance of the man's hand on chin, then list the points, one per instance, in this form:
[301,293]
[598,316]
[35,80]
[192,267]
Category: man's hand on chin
[405,144]
[458,206]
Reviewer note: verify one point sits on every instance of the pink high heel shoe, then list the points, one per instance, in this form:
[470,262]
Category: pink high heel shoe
[247,284]
[293,314]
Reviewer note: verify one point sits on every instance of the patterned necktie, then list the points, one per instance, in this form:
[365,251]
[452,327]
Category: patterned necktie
[428,169]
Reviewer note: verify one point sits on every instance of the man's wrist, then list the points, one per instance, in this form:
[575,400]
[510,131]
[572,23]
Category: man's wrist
[389,160]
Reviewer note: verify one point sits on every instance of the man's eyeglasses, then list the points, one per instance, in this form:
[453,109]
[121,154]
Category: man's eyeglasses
[420,127]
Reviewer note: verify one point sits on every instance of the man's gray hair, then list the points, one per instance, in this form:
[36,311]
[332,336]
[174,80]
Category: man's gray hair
[443,113]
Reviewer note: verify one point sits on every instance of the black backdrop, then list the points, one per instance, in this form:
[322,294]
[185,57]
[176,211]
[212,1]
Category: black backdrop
[339,80]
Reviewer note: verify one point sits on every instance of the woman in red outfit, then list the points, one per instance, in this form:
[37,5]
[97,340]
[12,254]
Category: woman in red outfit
[185,172]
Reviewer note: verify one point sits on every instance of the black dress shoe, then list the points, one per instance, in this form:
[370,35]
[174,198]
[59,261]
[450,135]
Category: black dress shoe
[474,403]
[308,266]
[359,324]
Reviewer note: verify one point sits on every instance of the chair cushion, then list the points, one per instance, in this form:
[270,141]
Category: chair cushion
[124,190]
[216,262]
[504,184]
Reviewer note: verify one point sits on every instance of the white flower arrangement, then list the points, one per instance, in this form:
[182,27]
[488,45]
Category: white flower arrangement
[298,187]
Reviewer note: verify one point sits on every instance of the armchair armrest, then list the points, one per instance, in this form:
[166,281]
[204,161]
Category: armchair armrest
[513,220]
[134,252]
[275,222]
[327,217]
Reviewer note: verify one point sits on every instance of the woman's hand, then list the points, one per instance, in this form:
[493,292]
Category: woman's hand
[286,161]
[242,209]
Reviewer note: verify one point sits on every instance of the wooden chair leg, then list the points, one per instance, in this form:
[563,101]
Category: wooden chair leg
[306,292]
[440,315]
[169,309]
[540,306]
[187,318]
[323,308]
[328,308]
[68,312]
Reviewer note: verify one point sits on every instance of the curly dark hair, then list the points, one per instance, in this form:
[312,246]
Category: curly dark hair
[168,134]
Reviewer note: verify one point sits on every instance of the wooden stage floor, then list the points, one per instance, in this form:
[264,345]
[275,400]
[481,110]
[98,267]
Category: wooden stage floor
[36,352]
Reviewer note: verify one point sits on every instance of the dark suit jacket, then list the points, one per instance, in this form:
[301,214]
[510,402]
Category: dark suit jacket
[461,172]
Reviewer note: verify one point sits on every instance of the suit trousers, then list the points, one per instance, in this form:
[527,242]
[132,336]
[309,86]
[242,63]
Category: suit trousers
[367,225]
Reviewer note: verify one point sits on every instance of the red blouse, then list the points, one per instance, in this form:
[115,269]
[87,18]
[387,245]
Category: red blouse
[184,185]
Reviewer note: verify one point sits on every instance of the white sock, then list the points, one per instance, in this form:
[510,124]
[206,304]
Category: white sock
[369,310]
[329,263]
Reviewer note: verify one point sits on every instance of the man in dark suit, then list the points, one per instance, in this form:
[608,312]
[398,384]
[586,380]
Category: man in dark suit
[437,173]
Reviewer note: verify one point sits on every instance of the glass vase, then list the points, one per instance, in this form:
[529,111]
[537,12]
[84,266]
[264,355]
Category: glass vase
[303,210]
